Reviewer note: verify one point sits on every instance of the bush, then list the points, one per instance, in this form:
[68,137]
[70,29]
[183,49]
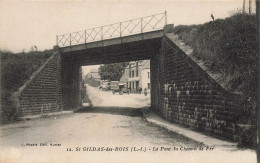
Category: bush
[227,47]
[17,68]
[8,110]
[248,138]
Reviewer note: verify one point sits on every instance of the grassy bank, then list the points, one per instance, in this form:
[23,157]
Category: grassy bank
[15,71]
[229,47]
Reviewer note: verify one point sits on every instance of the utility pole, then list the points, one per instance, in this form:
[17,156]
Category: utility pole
[250,7]
[244,2]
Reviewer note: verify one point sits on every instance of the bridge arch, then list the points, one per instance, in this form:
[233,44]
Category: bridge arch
[135,47]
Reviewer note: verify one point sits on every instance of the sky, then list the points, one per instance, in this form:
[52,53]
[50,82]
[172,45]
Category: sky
[28,23]
[24,24]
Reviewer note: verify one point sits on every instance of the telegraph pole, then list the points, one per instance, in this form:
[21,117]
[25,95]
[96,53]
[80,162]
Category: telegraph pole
[250,7]
[244,3]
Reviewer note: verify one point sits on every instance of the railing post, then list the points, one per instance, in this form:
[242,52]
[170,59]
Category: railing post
[120,26]
[85,36]
[57,43]
[102,35]
[165,17]
[101,32]
[120,29]
[142,28]
[141,25]
[70,39]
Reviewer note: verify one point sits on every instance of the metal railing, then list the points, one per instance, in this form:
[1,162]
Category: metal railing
[121,29]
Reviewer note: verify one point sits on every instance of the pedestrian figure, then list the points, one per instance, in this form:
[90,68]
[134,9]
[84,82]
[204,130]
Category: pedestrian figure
[212,17]
[145,91]
[83,91]
[139,90]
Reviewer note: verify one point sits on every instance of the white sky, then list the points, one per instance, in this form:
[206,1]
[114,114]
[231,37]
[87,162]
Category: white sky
[27,23]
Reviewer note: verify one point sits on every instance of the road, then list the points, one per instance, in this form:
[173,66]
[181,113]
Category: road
[106,98]
[114,123]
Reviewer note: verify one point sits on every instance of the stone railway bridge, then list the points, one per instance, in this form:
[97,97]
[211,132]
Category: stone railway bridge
[181,90]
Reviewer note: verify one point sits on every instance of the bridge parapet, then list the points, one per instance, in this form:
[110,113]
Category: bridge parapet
[116,30]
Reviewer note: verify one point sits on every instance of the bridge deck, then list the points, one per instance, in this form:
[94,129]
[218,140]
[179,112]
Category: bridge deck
[114,41]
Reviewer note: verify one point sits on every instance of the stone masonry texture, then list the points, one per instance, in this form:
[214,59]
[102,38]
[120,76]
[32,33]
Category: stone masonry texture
[185,94]
[43,94]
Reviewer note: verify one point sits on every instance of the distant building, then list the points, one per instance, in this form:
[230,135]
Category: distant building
[93,78]
[137,74]
[93,74]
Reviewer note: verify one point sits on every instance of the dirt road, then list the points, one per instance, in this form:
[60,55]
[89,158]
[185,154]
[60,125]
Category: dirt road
[106,98]
[113,130]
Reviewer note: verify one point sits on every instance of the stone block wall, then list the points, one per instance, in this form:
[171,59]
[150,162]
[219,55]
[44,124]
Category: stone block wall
[185,94]
[71,78]
[42,93]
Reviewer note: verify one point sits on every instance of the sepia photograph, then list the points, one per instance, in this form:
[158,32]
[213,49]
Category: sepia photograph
[122,81]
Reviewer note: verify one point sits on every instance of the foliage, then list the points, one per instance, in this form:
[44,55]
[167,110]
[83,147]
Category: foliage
[15,71]
[8,109]
[187,33]
[227,47]
[112,72]
[248,138]
[17,68]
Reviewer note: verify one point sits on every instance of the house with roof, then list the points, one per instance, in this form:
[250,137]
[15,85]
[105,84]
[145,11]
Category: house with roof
[93,78]
[137,74]
[93,74]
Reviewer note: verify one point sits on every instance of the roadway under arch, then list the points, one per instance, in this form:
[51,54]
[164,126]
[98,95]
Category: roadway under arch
[130,48]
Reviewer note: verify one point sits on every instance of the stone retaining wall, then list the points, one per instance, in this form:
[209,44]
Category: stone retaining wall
[185,94]
[42,93]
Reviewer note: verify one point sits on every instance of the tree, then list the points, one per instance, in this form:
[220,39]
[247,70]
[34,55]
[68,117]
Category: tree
[112,72]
